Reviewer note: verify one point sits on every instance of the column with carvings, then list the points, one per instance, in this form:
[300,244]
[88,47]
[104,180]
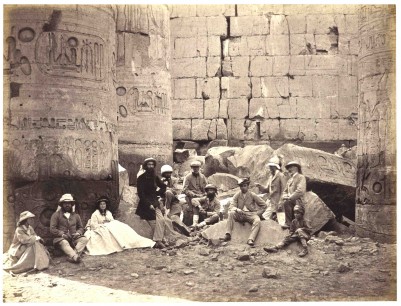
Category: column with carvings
[59,110]
[376,176]
[143,86]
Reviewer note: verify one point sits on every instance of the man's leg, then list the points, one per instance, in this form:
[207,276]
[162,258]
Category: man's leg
[80,244]
[169,196]
[158,233]
[195,218]
[208,220]
[286,241]
[232,217]
[268,212]
[67,249]
[289,212]
[255,222]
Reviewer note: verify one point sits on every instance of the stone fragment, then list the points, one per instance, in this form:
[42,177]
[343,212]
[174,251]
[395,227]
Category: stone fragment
[352,249]
[214,257]
[188,67]
[249,25]
[269,273]
[244,257]
[223,181]
[190,284]
[135,275]
[254,288]
[217,274]
[160,267]
[343,268]
[181,129]
[317,213]
[216,160]
[180,155]
[203,251]
[181,243]
[188,272]
[185,109]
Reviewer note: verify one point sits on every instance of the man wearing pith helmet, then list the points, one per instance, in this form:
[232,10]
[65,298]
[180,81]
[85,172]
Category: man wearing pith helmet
[67,228]
[207,208]
[194,187]
[294,191]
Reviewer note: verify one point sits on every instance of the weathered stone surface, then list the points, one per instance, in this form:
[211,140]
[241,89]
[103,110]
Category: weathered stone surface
[188,26]
[221,129]
[297,24]
[259,9]
[216,26]
[182,129]
[184,89]
[301,86]
[215,10]
[302,44]
[261,66]
[188,67]
[279,25]
[207,88]
[244,25]
[223,181]
[185,109]
[274,87]
[237,66]
[180,155]
[277,44]
[216,160]
[324,86]
[182,10]
[203,129]
[213,66]
[123,179]
[190,47]
[211,108]
[236,129]
[317,213]
[281,65]
[237,108]
[235,87]
[269,273]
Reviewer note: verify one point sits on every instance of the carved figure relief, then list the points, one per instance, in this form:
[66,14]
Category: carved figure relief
[146,101]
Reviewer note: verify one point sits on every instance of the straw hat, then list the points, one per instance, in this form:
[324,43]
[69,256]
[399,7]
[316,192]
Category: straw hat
[67,197]
[25,215]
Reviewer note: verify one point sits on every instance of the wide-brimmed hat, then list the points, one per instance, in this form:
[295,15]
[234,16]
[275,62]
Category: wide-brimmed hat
[274,162]
[25,215]
[67,197]
[211,186]
[147,160]
[103,199]
[299,209]
[293,163]
[245,180]
[196,163]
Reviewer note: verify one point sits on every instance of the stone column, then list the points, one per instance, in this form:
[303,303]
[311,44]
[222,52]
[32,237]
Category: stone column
[59,110]
[143,86]
[376,176]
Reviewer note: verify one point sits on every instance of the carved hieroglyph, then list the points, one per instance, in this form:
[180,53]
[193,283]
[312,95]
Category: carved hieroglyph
[143,86]
[376,179]
[59,109]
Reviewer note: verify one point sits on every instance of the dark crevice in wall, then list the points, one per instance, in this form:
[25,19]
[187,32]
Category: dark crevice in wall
[55,19]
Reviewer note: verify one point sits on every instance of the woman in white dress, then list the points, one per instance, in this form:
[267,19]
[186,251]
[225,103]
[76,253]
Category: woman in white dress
[107,235]
[26,253]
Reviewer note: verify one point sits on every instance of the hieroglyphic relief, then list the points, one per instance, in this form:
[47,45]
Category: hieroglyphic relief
[147,100]
[71,54]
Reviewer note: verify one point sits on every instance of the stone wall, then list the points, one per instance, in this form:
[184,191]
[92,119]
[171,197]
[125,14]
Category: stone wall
[251,73]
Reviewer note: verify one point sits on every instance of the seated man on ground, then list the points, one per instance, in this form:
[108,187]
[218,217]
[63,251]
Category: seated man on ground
[206,209]
[299,231]
[26,253]
[67,228]
[172,205]
[245,206]
[194,187]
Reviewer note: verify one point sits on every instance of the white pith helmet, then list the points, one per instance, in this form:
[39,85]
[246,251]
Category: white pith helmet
[166,168]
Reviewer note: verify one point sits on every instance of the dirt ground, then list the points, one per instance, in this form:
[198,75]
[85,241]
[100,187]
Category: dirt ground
[351,269]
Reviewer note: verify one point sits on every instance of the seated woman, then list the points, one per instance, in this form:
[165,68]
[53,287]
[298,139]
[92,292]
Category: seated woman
[107,235]
[26,253]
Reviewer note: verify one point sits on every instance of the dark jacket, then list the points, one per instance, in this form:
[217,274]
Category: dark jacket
[211,207]
[147,187]
[300,228]
[59,225]
[252,202]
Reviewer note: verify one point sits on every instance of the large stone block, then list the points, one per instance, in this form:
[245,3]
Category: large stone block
[272,108]
[317,214]
[281,65]
[348,86]
[213,46]
[183,109]
[253,45]
[223,110]
[290,130]
[351,24]
[182,10]
[188,67]
[310,107]
[259,9]
[215,10]
[188,47]
[302,44]
[270,129]
[237,66]
[237,108]
[221,129]
[300,86]
[211,109]
[326,65]
[297,24]
[236,129]
[182,129]
[345,107]
[249,25]
[235,87]
[223,181]
[213,66]
[327,129]
[347,129]
[184,89]
[297,65]
[203,129]
[278,44]
[274,87]
[216,26]
[216,160]
[261,66]
[324,86]
[319,23]
[208,88]
[279,25]
[188,27]
[256,87]
[323,43]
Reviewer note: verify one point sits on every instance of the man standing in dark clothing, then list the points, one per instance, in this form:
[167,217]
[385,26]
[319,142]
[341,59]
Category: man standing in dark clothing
[149,187]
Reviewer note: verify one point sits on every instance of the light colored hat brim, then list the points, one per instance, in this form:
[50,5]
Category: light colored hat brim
[293,163]
[27,216]
[274,165]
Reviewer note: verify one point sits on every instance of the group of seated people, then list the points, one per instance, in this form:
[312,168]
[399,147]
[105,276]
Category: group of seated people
[158,202]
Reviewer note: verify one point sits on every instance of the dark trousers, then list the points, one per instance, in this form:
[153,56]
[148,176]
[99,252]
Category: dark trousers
[203,216]
[289,211]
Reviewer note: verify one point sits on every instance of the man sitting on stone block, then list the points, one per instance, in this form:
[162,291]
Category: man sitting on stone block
[294,191]
[245,206]
[206,209]
[299,231]
[194,187]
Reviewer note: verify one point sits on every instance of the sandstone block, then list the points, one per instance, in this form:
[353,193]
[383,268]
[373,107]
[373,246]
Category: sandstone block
[256,87]
[297,65]
[188,67]
[345,107]
[223,181]
[221,129]
[183,109]
[259,9]
[216,26]
[323,42]
[351,24]
[235,129]
[319,23]
[187,47]
[240,66]
[270,129]
[261,66]
[213,66]
[302,44]
[324,86]
[354,46]
[289,128]
[180,155]
[235,87]
[237,108]
[215,10]
[249,25]
[188,27]
[201,129]
[297,24]
[347,129]
[216,160]
[278,25]
[274,87]
[300,86]
[184,89]
[231,46]
[347,86]
[253,45]
[281,65]
[344,44]
[208,88]
[327,129]
[317,214]
[278,44]
[310,107]
[326,65]
[211,109]
[182,129]
[257,108]
[223,110]
[213,46]
[182,10]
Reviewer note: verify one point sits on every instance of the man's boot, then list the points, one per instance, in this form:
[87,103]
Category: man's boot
[274,249]
[227,237]
[200,225]
[195,220]
[305,248]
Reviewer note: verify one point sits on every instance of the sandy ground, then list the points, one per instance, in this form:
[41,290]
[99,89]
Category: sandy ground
[351,269]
